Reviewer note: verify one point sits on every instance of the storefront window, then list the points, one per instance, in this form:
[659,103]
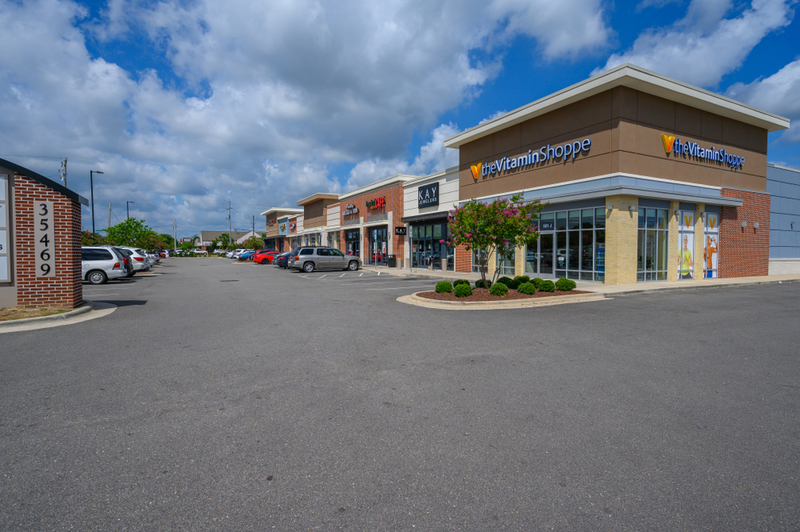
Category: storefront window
[506,265]
[353,242]
[570,244]
[651,257]
[377,245]
[476,264]
[427,250]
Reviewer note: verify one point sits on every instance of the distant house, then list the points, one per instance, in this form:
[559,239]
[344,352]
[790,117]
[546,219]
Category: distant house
[207,238]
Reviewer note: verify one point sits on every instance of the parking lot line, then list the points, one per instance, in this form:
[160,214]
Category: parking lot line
[324,276]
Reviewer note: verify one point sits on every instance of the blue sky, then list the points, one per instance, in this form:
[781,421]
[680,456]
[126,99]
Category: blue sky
[186,106]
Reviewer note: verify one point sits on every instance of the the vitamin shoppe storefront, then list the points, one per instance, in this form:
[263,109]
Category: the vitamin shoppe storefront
[368,218]
[645,179]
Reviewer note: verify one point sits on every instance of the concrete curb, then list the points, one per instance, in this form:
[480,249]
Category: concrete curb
[417,301]
[645,290]
[88,311]
[83,309]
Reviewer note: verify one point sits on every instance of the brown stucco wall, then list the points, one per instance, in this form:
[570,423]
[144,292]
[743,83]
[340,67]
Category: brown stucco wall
[625,127]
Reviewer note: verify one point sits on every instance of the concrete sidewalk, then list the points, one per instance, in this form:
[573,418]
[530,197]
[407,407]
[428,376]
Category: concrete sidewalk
[607,289]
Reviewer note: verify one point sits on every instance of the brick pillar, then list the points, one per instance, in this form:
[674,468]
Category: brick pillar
[64,290]
[744,251]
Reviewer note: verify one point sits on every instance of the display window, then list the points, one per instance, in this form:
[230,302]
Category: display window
[428,250]
[711,247]
[353,242]
[686,257]
[570,244]
[652,244]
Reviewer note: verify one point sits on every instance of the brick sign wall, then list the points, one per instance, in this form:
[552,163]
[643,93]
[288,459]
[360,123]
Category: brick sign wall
[60,286]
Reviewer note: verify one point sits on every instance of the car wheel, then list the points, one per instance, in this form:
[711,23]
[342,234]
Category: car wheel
[308,267]
[353,266]
[97,277]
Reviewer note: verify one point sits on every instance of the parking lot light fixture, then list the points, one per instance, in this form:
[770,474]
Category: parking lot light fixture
[91,188]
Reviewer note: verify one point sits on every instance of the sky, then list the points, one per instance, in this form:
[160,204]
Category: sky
[189,106]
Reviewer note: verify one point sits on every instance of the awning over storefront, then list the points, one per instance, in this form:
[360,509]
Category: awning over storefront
[626,185]
[442,215]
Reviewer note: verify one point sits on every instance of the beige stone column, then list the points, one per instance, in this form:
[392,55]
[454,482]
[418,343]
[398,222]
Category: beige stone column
[621,239]
[492,266]
[519,261]
[674,245]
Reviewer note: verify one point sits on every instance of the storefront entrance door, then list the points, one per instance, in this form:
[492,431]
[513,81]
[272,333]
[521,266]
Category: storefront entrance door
[377,245]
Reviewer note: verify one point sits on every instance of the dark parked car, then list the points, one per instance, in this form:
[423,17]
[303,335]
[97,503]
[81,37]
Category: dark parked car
[128,260]
[281,259]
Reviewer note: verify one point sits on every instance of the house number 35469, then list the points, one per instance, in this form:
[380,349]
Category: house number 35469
[44,238]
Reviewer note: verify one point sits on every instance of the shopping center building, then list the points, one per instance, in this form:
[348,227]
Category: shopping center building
[643,178]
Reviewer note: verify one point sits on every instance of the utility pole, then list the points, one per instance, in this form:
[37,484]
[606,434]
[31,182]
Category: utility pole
[230,231]
[174,233]
[63,172]
[109,216]
[254,225]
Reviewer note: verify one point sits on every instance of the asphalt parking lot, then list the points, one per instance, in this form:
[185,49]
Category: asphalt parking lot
[224,396]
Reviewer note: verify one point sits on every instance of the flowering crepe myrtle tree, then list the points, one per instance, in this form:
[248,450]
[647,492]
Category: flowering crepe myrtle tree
[497,227]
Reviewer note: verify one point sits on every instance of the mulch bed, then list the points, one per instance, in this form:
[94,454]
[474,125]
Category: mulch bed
[482,294]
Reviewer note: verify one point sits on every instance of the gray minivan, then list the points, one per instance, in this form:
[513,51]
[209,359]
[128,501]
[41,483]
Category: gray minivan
[310,258]
[101,263]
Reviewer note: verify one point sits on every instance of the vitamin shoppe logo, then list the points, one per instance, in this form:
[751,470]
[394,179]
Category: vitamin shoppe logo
[476,170]
[693,149]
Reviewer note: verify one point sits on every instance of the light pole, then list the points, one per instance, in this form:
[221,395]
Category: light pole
[127,210]
[91,186]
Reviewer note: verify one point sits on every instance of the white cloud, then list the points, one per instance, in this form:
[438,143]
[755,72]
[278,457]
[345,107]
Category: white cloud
[433,157]
[704,46]
[255,102]
[777,94]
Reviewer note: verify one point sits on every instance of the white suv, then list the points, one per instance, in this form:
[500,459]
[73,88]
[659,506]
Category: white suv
[101,263]
[140,261]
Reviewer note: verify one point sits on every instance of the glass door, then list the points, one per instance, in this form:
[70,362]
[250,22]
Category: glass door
[377,245]
[546,254]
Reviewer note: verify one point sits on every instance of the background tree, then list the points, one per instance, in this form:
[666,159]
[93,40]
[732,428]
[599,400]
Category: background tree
[128,233]
[186,246]
[493,228]
[224,241]
[254,242]
[91,239]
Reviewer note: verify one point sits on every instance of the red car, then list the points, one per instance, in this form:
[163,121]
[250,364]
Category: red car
[265,256]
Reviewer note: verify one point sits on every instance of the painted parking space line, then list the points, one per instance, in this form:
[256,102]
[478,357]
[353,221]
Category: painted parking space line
[343,275]
[360,274]
[320,278]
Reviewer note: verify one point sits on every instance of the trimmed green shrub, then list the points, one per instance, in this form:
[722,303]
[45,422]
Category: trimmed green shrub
[504,280]
[527,288]
[463,290]
[565,285]
[460,281]
[498,289]
[547,286]
[522,279]
[481,284]
[443,286]
[537,282]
